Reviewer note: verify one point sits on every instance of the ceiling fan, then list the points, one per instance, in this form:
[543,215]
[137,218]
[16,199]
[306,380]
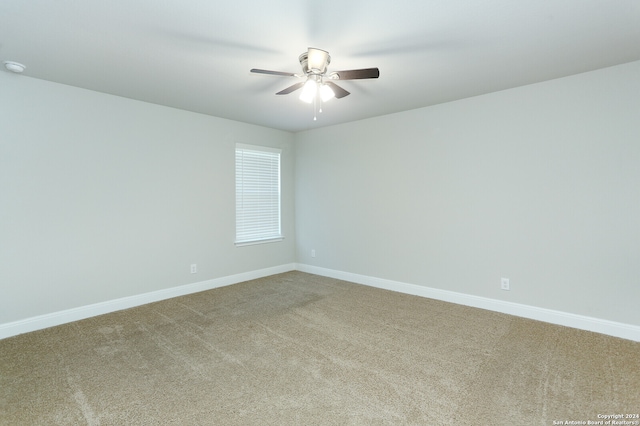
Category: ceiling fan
[317,81]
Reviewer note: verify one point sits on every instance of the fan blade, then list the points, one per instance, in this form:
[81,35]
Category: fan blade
[291,88]
[357,74]
[285,74]
[337,90]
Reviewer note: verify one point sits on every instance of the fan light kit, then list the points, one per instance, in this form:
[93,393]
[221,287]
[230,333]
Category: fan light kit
[14,67]
[317,83]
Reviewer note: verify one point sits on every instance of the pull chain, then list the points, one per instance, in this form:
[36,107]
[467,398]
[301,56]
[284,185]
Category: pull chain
[315,103]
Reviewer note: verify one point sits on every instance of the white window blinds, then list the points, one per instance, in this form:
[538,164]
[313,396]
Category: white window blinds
[257,194]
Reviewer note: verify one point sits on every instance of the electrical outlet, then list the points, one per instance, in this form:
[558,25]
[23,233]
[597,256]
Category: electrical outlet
[194,268]
[504,283]
[313,253]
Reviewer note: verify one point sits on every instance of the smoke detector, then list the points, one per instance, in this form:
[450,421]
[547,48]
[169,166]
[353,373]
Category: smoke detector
[14,66]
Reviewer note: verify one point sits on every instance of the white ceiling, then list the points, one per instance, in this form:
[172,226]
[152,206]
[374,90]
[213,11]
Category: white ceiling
[196,54]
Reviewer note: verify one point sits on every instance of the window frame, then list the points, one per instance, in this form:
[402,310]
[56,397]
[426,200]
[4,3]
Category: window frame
[265,229]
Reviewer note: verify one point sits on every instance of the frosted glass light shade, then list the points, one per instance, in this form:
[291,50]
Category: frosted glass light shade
[309,91]
[326,93]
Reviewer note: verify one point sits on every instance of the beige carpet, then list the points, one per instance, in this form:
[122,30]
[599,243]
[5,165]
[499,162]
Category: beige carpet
[299,349]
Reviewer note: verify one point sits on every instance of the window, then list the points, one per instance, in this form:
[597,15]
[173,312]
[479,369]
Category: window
[257,194]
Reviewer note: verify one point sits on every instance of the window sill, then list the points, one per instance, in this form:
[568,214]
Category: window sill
[254,242]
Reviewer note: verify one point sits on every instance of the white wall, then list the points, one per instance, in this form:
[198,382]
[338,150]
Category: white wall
[540,184]
[103,197]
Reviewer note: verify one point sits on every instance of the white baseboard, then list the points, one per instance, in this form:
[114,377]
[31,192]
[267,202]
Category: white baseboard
[62,317]
[611,328]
